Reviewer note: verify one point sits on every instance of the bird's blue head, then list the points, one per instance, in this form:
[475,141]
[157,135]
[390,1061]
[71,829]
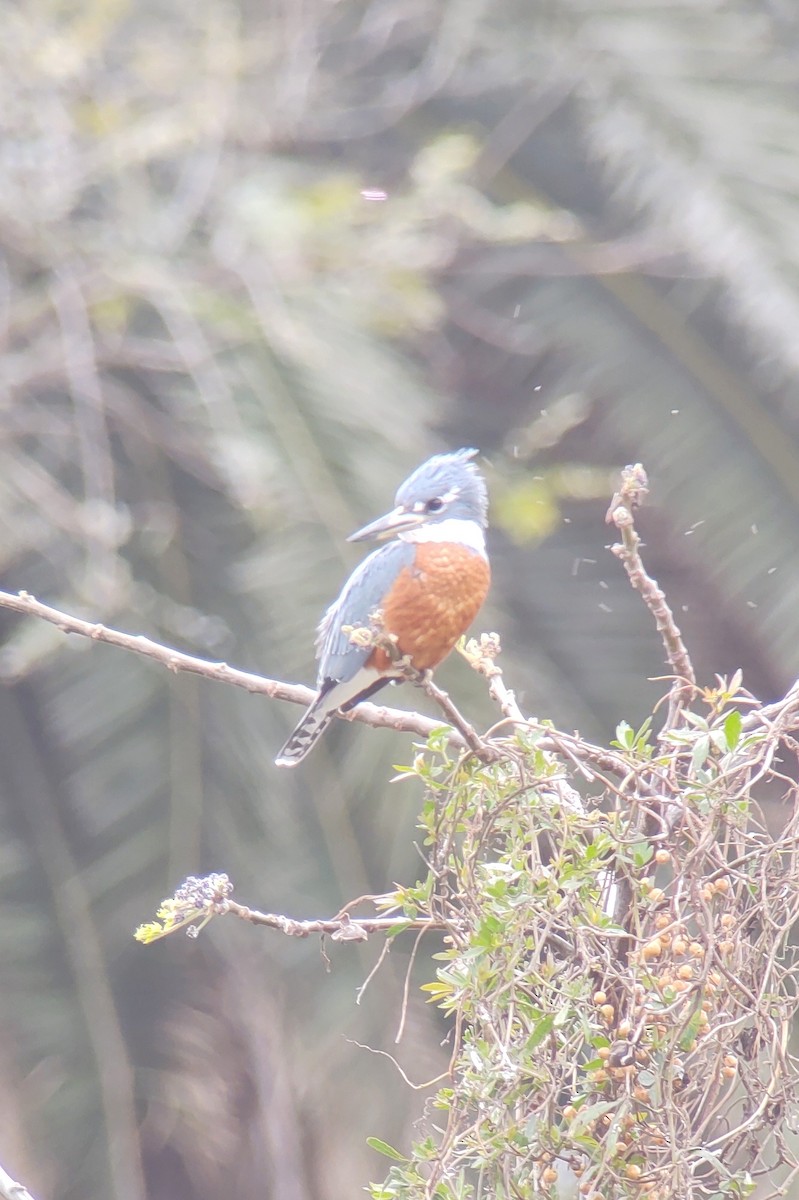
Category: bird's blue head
[446,487]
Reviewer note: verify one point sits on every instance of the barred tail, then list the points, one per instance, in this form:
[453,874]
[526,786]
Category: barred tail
[306,735]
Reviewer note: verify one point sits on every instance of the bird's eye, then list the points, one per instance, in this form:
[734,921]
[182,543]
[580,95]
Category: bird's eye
[435,505]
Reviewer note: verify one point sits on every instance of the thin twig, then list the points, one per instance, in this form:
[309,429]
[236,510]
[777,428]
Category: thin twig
[468,732]
[417,1087]
[201,898]
[482,654]
[633,489]
[381,958]
[340,929]
[407,985]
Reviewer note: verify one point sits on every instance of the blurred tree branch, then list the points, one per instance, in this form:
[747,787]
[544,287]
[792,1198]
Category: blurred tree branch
[10,1190]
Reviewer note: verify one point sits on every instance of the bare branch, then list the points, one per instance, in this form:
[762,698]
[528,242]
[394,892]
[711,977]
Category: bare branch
[201,898]
[341,929]
[176,661]
[482,655]
[377,715]
[467,731]
[633,490]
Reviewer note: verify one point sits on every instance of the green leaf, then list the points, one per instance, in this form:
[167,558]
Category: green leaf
[641,853]
[733,724]
[542,1028]
[625,736]
[590,1113]
[691,1030]
[384,1149]
[700,752]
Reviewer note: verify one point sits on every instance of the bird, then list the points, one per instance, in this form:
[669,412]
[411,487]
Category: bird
[422,589]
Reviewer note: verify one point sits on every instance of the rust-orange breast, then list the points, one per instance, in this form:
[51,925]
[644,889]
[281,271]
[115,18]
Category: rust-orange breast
[433,603]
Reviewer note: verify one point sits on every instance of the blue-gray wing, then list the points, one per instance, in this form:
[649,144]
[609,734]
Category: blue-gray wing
[362,595]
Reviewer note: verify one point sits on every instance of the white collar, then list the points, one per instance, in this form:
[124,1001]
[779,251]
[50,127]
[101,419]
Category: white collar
[452,529]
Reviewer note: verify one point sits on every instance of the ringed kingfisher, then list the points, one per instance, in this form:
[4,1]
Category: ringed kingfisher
[423,590]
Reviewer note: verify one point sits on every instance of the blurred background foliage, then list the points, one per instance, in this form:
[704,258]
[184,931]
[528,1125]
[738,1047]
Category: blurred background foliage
[258,261]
